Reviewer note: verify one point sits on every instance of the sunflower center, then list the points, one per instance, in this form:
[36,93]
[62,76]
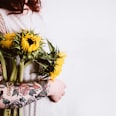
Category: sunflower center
[30,41]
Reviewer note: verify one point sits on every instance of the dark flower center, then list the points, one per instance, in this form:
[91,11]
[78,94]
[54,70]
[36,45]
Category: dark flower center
[30,41]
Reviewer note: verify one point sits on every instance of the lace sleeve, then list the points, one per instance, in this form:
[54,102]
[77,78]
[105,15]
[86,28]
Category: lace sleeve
[2,24]
[2,30]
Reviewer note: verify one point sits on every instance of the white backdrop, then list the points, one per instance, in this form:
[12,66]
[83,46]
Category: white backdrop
[86,31]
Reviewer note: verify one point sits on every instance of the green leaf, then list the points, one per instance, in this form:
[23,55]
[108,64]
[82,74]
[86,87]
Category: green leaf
[51,47]
[22,99]
[6,101]
[32,92]
[17,47]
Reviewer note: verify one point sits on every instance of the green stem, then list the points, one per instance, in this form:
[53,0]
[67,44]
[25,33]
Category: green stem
[7,112]
[13,78]
[15,112]
[14,72]
[27,63]
[3,63]
[20,111]
[21,70]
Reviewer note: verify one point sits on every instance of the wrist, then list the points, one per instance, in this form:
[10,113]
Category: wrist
[44,85]
[49,92]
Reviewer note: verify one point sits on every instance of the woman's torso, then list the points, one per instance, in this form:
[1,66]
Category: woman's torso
[15,23]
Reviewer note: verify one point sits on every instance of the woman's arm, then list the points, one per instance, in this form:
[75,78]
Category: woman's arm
[21,94]
[2,24]
[16,95]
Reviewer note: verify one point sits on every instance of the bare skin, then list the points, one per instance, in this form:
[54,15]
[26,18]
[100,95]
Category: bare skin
[56,90]
[21,94]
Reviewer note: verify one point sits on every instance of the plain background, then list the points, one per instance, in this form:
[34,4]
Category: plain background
[86,31]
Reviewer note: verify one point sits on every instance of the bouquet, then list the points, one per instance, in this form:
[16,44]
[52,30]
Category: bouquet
[18,50]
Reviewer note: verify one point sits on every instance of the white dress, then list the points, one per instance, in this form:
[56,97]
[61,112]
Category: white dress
[31,21]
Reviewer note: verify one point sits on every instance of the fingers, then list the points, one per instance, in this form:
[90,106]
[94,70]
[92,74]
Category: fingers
[57,98]
[57,90]
[63,93]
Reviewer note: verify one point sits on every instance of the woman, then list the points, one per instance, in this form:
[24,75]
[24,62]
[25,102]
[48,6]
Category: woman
[14,16]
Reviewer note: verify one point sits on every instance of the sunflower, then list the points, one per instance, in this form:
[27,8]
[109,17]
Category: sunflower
[60,59]
[8,41]
[58,65]
[30,42]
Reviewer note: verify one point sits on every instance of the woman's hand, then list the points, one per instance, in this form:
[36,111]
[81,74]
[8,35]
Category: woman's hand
[56,90]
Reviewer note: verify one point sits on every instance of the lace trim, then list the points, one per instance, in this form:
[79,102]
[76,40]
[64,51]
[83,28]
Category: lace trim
[2,24]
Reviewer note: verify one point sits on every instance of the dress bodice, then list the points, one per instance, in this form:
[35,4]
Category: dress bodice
[28,20]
